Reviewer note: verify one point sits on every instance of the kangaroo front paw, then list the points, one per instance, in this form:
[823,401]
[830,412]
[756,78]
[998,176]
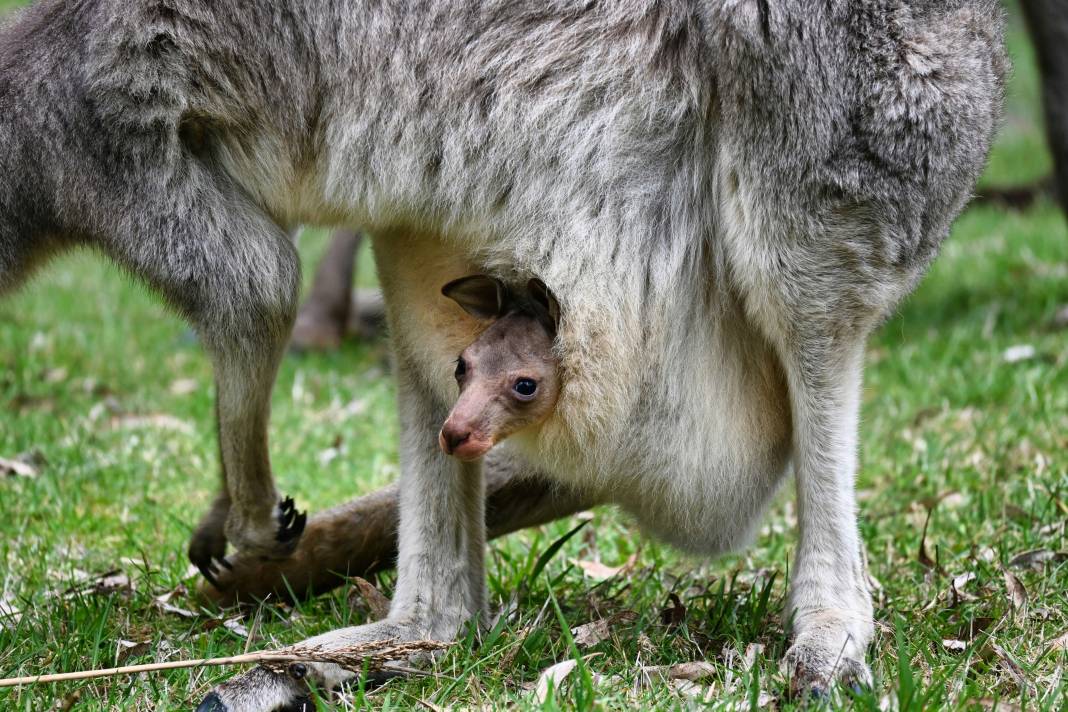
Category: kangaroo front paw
[290,522]
[274,536]
[207,547]
[828,652]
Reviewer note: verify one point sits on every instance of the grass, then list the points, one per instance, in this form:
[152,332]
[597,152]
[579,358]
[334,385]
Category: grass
[957,441]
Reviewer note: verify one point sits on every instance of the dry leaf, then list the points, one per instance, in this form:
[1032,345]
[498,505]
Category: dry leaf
[9,615]
[67,703]
[1037,559]
[1060,643]
[162,421]
[592,633]
[751,652]
[112,582]
[17,467]
[600,572]
[970,629]
[1020,352]
[513,650]
[1011,667]
[953,645]
[1017,592]
[553,675]
[956,589]
[236,626]
[692,671]
[55,375]
[365,592]
[673,614]
[998,705]
[163,604]
[184,386]
[701,693]
[126,649]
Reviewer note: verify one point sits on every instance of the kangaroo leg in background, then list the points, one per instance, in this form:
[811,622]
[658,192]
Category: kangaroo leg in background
[1048,22]
[324,316]
[360,537]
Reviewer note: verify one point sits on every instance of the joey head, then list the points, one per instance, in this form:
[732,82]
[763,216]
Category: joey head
[508,377]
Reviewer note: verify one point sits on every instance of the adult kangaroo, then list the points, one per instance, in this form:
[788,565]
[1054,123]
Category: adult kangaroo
[724,196]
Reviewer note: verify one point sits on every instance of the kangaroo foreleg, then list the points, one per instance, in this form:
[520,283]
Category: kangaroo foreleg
[360,537]
[234,274]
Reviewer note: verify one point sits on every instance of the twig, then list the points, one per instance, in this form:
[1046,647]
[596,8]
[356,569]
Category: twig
[372,655]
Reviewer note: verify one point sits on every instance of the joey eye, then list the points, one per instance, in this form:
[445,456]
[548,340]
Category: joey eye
[525,387]
[461,368]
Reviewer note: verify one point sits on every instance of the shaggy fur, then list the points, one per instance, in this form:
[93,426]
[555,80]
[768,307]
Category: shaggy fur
[725,197]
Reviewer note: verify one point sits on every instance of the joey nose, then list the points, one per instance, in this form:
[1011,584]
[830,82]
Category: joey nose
[452,437]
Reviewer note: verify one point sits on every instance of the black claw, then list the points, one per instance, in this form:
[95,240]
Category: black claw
[208,572]
[290,521]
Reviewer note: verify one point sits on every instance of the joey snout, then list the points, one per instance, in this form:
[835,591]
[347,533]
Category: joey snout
[464,439]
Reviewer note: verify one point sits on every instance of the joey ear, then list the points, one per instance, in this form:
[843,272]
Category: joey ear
[479,295]
[545,298]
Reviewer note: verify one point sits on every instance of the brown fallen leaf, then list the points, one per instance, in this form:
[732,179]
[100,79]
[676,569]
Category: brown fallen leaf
[553,676]
[956,588]
[236,625]
[973,627]
[1020,352]
[952,645]
[600,572]
[126,649]
[673,614]
[17,468]
[1059,643]
[183,386]
[366,593]
[1016,590]
[693,671]
[592,633]
[998,705]
[513,650]
[161,421]
[9,615]
[1037,559]
[1011,667]
[701,693]
[163,604]
[112,582]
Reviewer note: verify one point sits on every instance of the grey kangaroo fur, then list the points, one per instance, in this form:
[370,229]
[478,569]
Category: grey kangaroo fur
[725,197]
